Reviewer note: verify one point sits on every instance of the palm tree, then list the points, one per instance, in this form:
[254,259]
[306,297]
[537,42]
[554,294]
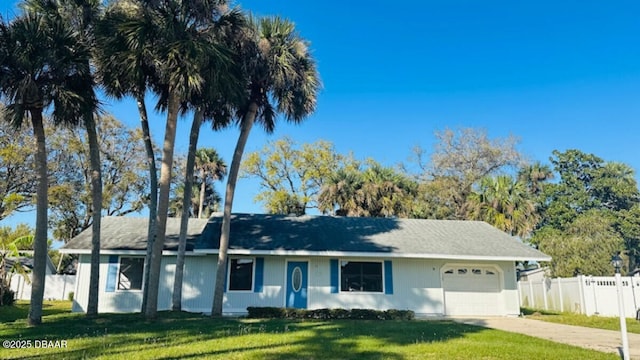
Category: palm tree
[125,70]
[209,165]
[281,77]
[80,15]
[42,65]
[179,41]
[341,193]
[504,203]
[534,176]
[220,85]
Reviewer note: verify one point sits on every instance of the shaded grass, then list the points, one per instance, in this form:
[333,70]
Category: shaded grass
[185,336]
[594,321]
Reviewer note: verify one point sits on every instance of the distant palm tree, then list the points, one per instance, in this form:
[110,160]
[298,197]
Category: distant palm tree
[341,193]
[43,64]
[504,203]
[209,165]
[281,77]
[377,191]
[534,176]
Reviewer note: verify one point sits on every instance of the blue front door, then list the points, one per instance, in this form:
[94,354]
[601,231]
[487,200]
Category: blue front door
[297,284]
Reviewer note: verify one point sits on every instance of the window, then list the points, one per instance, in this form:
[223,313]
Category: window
[130,274]
[241,274]
[361,276]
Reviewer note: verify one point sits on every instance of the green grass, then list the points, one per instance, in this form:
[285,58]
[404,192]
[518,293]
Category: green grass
[185,336]
[598,322]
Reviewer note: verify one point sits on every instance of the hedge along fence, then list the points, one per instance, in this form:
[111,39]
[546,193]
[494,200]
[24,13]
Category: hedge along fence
[328,314]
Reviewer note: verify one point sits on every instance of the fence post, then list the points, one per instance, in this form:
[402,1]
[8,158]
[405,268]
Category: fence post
[560,294]
[533,302]
[544,293]
[581,292]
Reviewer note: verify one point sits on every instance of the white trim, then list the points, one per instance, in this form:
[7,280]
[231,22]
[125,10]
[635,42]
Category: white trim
[386,255]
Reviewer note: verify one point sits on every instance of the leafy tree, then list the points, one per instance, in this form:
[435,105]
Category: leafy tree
[123,165]
[17,183]
[584,247]
[281,77]
[291,176]
[42,65]
[459,161]
[589,185]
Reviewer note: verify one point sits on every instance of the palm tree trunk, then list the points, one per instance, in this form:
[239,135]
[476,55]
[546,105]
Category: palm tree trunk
[186,205]
[153,196]
[96,213]
[40,239]
[245,129]
[151,310]
[203,188]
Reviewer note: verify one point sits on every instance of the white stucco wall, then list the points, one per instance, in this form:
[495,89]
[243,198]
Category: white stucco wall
[417,286]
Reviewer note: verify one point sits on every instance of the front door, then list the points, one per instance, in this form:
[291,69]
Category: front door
[297,284]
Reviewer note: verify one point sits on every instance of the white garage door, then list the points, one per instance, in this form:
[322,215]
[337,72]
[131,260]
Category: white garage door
[472,290]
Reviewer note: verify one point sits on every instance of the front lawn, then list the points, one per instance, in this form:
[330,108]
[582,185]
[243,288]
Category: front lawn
[598,322]
[184,335]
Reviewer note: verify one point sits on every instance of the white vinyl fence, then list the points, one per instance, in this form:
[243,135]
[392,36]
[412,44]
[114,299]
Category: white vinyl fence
[589,295]
[56,287]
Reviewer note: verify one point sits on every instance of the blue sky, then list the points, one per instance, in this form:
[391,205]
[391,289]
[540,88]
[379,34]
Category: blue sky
[559,75]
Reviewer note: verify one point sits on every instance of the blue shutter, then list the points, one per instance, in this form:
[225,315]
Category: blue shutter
[226,275]
[259,275]
[388,278]
[334,271]
[112,273]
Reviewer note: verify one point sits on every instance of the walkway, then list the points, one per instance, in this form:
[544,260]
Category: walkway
[589,338]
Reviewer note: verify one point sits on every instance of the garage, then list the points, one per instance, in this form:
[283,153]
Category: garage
[472,290]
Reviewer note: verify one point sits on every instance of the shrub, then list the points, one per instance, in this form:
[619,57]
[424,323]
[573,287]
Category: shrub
[70,296]
[8,297]
[328,314]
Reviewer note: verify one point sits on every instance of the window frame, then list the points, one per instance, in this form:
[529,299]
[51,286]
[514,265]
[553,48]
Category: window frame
[382,277]
[253,274]
[119,274]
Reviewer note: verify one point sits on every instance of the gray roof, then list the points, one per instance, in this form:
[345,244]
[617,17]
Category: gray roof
[129,233]
[259,233]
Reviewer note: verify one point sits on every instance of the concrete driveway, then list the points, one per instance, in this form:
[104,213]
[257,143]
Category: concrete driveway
[589,338]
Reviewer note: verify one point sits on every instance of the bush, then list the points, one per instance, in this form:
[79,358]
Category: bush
[8,297]
[70,296]
[328,314]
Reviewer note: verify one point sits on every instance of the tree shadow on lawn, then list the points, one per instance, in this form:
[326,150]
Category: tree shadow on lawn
[184,335]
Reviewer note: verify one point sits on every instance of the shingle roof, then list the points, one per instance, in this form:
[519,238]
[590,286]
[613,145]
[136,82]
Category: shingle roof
[328,234]
[128,233]
[446,238]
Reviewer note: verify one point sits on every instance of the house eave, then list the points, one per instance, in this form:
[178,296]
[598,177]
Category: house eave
[385,255]
[126,252]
